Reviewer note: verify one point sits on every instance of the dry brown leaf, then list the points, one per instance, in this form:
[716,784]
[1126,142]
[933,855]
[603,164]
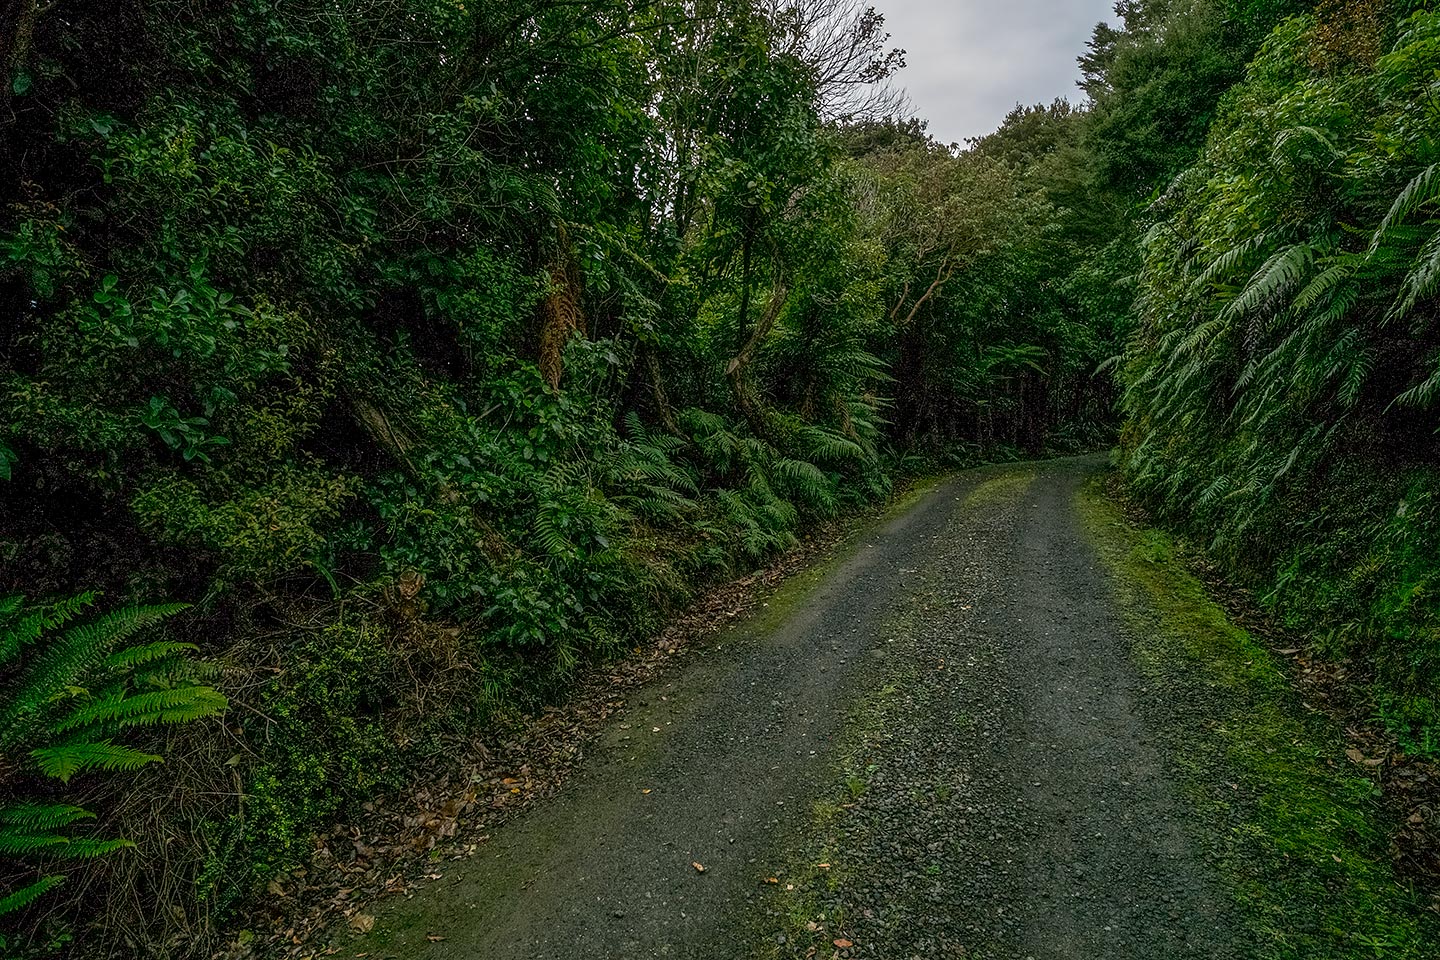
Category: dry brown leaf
[362,923]
[699,867]
[772,879]
[842,943]
[1355,755]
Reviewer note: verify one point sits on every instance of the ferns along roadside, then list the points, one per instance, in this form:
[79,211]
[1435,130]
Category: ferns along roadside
[68,689]
[436,351]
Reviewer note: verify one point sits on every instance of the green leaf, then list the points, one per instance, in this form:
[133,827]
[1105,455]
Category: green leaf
[22,898]
[63,762]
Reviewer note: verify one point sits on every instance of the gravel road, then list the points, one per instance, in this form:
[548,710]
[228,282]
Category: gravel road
[935,746]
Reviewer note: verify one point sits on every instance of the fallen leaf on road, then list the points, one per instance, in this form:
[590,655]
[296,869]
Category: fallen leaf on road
[699,867]
[644,791]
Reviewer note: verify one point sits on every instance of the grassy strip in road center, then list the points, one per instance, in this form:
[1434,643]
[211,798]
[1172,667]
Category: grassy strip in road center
[1297,835]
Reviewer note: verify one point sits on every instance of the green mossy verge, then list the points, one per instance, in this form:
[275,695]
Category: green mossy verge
[1300,838]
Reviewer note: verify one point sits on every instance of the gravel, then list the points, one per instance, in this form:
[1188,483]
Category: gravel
[948,716]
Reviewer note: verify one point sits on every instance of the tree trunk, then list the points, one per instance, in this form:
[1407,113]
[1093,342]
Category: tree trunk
[747,398]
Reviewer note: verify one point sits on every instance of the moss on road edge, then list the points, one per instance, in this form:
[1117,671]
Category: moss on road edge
[1294,832]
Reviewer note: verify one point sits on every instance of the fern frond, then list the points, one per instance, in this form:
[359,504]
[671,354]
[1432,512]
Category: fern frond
[1421,283]
[1230,260]
[830,445]
[86,848]
[1424,189]
[1423,394]
[76,650]
[26,895]
[41,817]
[21,625]
[14,843]
[1322,285]
[64,761]
[1277,275]
[119,712]
[132,657]
[808,482]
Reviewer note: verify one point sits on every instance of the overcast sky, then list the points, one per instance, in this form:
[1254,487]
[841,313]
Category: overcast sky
[971,61]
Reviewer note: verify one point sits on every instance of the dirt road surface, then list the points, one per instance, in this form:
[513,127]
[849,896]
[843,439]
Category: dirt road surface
[947,713]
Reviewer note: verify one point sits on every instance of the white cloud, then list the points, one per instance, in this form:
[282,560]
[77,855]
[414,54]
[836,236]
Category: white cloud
[971,61]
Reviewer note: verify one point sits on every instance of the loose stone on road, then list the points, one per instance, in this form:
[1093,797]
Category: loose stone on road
[935,746]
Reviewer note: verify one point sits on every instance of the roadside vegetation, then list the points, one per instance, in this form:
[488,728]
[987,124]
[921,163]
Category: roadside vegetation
[431,352]
[1300,832]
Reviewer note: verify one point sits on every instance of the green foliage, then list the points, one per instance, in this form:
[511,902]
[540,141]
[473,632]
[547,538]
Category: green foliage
[1282,382]
[445,349]
[67,691]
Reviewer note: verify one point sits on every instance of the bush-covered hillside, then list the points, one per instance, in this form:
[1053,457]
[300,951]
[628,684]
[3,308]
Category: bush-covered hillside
[428,352]
[1283,375]
[432,350]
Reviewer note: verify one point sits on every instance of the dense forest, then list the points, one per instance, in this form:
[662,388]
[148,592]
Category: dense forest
[371,369]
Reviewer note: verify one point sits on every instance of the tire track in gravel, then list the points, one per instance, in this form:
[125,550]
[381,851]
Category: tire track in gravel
[1015,804]
[711,767]
[1010,803]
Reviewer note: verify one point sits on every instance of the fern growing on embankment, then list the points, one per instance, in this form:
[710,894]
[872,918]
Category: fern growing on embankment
[70,690]
[1283,382]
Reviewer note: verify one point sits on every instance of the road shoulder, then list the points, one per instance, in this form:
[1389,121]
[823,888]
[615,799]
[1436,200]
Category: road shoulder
[1295,830]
